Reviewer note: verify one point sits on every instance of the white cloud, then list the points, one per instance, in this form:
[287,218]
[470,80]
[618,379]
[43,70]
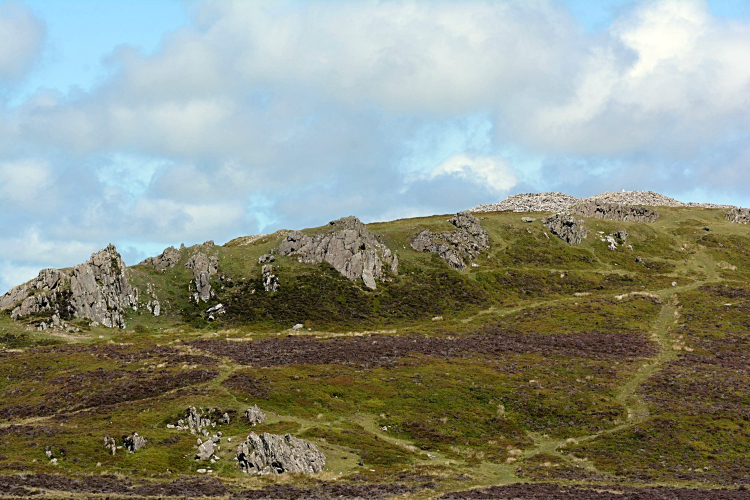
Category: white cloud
[492,172]
[24,182]
[21,38]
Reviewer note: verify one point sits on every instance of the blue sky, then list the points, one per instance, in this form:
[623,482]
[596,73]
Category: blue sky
[151,123]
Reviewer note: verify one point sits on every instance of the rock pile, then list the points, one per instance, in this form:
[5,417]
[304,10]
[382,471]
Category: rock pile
[738,215]
[198,421]
[613,211]
[567,228]
[96,290]
[255,415]
[275,454]
[203,267]
[530,202]
[559,202]
[467,241]
[351,248]
[168,258]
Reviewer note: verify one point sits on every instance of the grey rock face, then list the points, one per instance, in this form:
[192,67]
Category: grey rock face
[274,454]
[168,258]
[614,211]
[97,290]
[255,415]
[568,229]
[266,259]
[351,248]
[203,267]
[467,241]
[738,215]
[133,442]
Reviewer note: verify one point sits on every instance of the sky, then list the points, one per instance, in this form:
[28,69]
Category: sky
[154,123]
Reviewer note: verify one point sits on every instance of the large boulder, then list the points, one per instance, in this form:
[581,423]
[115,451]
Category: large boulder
[351,248]
[466,242]
[567,228]
[275,454]
[97,290]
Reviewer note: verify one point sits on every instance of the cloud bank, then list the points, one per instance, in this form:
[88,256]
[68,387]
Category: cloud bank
[265,115]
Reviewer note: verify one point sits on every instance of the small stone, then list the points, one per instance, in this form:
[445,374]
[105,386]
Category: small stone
[298,326]
[527,219]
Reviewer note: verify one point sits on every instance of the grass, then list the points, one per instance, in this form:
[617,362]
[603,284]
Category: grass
[674,411]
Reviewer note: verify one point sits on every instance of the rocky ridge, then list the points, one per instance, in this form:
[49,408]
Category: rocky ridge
[558,202]
[351,248]
[466,242]
[168,258]
[96,290]
[274,454]
[613,211]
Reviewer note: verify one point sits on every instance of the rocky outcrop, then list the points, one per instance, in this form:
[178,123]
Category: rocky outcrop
[255,415]
[738,215]
[203,266]
[110,444]
[270,280]
[567,228]
[466,242]
[351,248]
[168,258]
[200,420]
[133,442]
[96,290]
[274,454]
[559,202]
[613,211]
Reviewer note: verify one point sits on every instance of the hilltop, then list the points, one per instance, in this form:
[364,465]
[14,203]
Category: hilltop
[542,347]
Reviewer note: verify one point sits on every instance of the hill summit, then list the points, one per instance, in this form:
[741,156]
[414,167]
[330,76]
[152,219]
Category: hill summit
[542,347]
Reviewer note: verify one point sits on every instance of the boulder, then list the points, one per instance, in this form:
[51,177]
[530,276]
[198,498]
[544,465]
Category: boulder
[275,454]
[351,248]
[568,229]
[207,448]
[133,442]
[270,280]
[467,241]
[255,415]
[109,444]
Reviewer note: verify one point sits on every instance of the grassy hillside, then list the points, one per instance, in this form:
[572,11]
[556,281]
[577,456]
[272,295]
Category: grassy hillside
[545,362]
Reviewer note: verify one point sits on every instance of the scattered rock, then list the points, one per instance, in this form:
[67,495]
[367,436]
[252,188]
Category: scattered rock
[203,268]
[198,421]
[567,228]
[133,442]
[738,215]
[217,309]
[168,258]
[527,219]
[611,242]
[275,454]
[467,241]
[255,415]
[351,248]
